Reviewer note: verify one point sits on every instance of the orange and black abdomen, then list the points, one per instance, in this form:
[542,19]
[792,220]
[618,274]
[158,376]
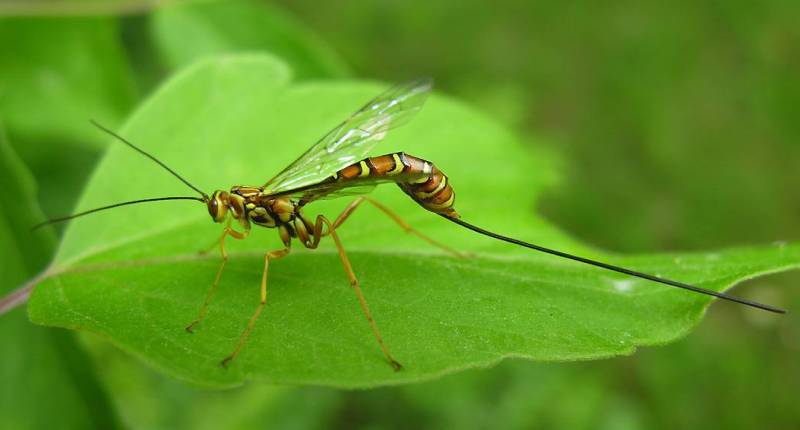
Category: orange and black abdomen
[418,178]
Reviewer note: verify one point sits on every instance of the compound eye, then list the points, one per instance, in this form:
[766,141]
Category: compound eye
[212,207]
[218,206]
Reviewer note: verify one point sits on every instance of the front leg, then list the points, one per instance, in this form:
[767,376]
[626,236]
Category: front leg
[228,231]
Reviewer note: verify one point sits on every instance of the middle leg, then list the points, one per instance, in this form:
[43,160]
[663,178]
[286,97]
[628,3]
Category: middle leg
[271,255]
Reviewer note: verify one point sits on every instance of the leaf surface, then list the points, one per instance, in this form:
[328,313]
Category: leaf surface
[133,275]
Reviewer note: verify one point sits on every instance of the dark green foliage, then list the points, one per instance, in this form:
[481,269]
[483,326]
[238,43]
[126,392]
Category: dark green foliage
[47,381]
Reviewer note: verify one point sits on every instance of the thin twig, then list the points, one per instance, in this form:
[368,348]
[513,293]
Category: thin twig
[21,294]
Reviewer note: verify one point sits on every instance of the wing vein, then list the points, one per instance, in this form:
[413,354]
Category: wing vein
[350,142]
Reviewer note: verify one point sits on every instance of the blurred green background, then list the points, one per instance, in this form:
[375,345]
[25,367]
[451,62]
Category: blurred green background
[676,128]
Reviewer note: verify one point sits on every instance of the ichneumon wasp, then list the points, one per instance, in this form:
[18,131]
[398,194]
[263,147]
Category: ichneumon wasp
[336,166]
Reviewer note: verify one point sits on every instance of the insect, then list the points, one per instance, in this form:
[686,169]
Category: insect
[337,165]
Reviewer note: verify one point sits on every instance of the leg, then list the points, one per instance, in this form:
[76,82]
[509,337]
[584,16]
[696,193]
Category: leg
[228,231]
[272,255]
[354,283]
[404,225]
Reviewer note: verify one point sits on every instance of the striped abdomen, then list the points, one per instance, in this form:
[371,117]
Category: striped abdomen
[418,178]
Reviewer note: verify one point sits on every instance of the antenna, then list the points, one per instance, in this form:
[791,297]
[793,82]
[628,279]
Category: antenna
[132,202]
[115,205]
[616,268]
[148,155]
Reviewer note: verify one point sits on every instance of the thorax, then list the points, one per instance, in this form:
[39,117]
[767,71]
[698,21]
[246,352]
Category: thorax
[263,210]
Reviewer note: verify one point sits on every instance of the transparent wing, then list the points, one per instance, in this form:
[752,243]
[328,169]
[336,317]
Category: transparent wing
[351,140]
[330,187]
[327,193]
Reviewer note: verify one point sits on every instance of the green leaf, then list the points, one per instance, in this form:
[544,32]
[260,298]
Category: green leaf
[62,72]
[146,399]
[192,30]
[37,360]
[133,275]
[25,253]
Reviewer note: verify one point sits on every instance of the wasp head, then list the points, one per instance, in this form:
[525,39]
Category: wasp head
[221,201]
[218,205]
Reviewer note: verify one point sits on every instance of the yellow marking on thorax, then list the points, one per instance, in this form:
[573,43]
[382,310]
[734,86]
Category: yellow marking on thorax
[261,212]
[281,205]
[246,191]
[285,216]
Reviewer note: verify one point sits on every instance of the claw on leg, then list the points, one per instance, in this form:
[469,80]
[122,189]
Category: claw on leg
[190,328]
[397,366]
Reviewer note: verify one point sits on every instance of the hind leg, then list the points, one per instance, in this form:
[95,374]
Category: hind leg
[396,218]
[348,268]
